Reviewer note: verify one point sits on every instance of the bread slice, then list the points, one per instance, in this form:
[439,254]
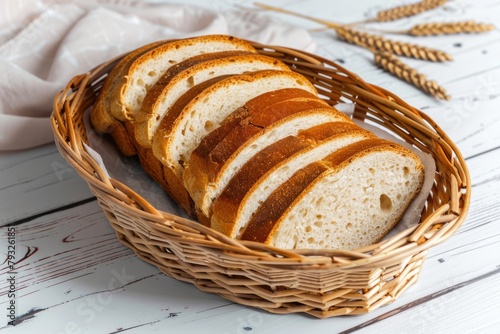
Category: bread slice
[151,103]
[270,168]
[349,199]
[179,78]
[176,138]
[101,117]
[169,180]
[263,101]
[143,73]
[208,172]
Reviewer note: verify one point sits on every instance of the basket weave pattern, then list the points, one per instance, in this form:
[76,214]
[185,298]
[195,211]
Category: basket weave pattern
[322,283]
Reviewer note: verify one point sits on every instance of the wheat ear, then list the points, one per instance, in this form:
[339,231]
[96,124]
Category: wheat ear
[393,65]
[379,43]
[449,28]
[399,12]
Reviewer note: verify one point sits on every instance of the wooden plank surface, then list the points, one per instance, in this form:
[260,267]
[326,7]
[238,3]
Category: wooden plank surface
[35,181]
[73,276]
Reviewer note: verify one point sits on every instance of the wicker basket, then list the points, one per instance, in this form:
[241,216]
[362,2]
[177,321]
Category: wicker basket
[322,283]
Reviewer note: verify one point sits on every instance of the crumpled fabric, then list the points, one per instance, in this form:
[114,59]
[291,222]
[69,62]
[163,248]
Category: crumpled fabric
[44,43]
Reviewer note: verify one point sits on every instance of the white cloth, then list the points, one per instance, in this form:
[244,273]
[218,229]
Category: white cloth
[44,43]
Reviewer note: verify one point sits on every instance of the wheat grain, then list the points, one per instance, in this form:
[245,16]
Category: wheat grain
[408,10]
[449,28]
[393,65]
[380,43]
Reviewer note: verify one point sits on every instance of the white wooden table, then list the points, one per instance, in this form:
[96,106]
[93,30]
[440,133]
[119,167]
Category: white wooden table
[73,276]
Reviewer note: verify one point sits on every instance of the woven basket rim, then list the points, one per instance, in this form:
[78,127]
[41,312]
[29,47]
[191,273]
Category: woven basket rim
[438,225]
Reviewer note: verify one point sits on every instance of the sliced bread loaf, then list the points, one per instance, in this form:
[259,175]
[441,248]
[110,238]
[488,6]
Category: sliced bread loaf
[144,71]
[266,171]
[347,200]
[181,77]
[176,139]
[243,143]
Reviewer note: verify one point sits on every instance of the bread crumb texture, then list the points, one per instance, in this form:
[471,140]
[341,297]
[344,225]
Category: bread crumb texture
[353,207]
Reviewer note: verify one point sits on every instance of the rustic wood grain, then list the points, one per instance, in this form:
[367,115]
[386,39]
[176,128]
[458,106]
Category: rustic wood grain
[28,180]
[73,276]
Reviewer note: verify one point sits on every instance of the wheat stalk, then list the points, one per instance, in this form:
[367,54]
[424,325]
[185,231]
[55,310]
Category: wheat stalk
[393,65]
[449,28]
[399,12]
[380,43]
[329,24]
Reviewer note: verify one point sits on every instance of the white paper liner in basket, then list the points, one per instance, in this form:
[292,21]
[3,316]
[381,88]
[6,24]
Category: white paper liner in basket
[129,172]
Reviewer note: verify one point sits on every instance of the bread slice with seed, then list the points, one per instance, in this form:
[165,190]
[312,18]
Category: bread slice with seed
[179,78]
[210,168]
[143,72]
[349,199]
[273,166]
[176,139]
